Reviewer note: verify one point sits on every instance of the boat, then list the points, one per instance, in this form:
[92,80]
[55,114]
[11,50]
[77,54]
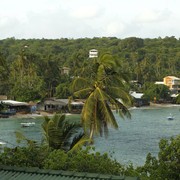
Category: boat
[170,117]
[27,124]
[2,143]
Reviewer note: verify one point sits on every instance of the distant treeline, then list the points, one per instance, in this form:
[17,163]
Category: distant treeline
[31,68]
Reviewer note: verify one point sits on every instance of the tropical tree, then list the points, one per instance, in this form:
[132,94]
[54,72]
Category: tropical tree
[26,84]
[103,90]
[178,99]
[166,165]
[60,134]
[4,76]
[157,91]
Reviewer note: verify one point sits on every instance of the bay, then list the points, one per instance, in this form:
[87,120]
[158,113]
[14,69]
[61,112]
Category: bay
[134,139]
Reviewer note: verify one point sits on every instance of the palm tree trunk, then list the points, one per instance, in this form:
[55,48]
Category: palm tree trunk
[91,134]
[93,124]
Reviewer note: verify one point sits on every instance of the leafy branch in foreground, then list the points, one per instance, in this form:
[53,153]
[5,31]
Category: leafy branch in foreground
[61,134]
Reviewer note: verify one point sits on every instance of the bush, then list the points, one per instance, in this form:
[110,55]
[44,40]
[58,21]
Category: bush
[83,161]
[24,156]
[167,165]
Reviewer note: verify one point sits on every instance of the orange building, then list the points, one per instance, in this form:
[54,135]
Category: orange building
[173,83]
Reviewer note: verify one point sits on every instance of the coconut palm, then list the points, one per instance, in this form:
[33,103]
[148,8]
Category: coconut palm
[59,134]
[103,91]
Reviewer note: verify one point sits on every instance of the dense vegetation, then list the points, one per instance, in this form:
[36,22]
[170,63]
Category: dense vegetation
[31,69]
[165,166]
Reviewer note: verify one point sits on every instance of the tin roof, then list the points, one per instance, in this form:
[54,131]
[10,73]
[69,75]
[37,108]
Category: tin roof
[136,95]
[172,77]
[14,103]
[18,173]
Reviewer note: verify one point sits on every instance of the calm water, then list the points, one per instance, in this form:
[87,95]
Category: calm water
[130,143]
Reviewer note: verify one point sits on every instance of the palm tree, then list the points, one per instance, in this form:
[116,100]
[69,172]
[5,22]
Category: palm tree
[103,91]
[59,134]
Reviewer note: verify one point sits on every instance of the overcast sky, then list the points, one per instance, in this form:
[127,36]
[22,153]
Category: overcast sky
[55,19]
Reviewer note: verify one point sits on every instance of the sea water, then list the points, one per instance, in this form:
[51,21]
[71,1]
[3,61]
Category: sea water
[133,140]
[140,135]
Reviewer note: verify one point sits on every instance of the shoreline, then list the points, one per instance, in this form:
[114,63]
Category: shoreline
[39,114]
[156,106]
[43,113]
[163,105]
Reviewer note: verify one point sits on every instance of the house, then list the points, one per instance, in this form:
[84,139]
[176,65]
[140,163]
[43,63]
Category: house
[65,70]
[173,83]
[16,106]
[76,107]
[136,83]
[93,53]
[54,105]
[139,100]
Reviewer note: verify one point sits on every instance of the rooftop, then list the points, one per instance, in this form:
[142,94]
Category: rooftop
[14,103]
[18,173]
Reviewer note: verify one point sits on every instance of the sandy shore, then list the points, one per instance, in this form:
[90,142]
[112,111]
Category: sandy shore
[32,115]
[35,115]
[164,105]
[43,113]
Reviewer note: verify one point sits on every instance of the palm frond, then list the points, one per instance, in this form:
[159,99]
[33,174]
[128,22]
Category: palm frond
[120,93]
[88,112]
[107,114]
[123,110]
[79,83]
[70,130]
[101,73]
[20,137]
[104,108]
[107,61]
[82,93]
[80,141]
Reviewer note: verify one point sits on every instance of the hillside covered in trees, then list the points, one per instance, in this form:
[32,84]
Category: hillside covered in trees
[31,69]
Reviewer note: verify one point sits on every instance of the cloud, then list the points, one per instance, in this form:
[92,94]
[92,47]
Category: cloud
[114,28]
[85,12]
[150,16]
[78,19]
[9,26]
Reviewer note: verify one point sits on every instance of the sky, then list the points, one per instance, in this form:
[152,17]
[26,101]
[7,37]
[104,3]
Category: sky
[55,19]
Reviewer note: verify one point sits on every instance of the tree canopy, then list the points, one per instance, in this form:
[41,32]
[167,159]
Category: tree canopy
[102,90]
[35,64]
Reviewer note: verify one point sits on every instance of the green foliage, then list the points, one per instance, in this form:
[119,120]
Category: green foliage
[164,167]
[167,165]
[83,161]
[3,107]
[24,156]
[160,91]
[63,90]
[178,99]
[26,84]
[132,43]
[80,161]
[57,159]
[102,90]
[61,134]
[146,60]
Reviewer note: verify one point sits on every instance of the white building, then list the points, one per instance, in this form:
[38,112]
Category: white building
[93,53]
